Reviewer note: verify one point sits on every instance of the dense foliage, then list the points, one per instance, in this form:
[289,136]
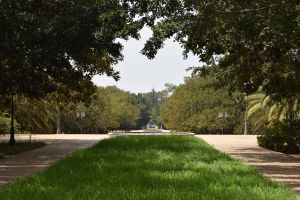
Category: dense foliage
[282,136]
[150,103]
[195,106]
[49,45]
[57,46]
[5,125]
[110,109]
[270,111]
[278,120]
[35,116]
[45,44]
[255,42]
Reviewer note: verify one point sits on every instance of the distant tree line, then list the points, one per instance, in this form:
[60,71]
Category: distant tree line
[108,109]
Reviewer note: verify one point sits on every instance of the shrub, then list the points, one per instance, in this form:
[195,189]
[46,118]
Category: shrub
[5,125]
[282,136]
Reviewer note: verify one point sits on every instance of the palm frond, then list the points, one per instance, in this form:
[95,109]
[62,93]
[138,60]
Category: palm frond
[270,110]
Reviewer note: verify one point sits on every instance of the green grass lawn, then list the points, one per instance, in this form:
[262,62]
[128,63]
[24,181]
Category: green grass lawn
[19,147]
[137,168]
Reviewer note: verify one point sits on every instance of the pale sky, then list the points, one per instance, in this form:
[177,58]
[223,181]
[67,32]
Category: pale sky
[139,74]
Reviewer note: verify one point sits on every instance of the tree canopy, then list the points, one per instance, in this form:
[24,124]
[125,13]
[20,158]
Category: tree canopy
[195,106]
[110,109]
[47,43]
[255,42]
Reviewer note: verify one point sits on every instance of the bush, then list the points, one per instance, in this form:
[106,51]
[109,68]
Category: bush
[282,136]
[5,125]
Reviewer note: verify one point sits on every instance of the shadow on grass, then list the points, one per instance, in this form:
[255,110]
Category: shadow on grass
[135,168]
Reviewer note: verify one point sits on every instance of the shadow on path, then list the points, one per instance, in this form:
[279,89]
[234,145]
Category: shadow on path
[275,165]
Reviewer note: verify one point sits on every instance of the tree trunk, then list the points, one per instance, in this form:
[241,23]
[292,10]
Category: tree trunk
[58,127]
[12,129]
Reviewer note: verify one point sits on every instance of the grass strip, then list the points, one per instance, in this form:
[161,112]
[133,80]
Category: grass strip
[154,168]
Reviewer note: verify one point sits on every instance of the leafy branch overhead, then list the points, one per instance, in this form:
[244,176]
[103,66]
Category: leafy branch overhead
[47,43]
[257,42]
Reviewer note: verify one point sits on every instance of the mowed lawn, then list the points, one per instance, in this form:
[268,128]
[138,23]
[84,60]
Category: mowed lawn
[154,167]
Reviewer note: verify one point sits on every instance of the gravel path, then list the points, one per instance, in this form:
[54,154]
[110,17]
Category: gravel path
[277,166]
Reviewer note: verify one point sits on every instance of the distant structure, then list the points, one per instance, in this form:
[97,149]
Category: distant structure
[152,126]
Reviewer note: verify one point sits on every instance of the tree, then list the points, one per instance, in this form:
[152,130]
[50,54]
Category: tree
[271,111]
[150,103]
[110,109]
[195,106]
[59,42]
[254,42]
[47,43]
[65,96]
[144,111]
[35,116]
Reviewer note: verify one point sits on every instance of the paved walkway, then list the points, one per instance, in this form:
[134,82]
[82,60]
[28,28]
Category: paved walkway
[277,166]
[58,147]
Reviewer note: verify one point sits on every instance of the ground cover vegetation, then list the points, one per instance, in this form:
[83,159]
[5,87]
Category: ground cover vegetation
[164,167]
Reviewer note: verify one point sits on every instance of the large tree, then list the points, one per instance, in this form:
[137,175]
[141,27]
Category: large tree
[196,104]
[110,109]
[48,43]
[255,42]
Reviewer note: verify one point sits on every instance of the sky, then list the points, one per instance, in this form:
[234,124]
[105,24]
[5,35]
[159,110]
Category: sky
[139,74]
